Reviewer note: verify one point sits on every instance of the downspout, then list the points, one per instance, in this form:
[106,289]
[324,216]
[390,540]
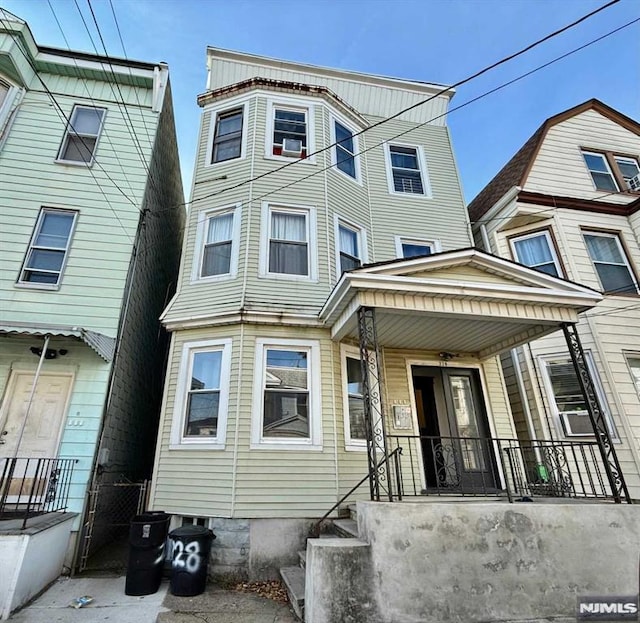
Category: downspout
[32,394]
[525,403]
[485,238]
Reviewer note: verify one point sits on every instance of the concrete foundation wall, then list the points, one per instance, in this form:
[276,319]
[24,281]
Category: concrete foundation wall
[465,562]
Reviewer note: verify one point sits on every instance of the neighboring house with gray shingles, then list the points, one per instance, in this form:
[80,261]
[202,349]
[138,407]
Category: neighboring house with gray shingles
[91,223]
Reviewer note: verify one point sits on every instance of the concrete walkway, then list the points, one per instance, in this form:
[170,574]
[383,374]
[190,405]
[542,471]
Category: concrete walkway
[110,604]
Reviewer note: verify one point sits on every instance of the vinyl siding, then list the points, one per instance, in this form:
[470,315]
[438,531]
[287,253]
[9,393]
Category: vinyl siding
[559,168]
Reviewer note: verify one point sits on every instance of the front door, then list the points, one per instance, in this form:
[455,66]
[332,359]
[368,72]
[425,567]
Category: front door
[42,428]
[456,450]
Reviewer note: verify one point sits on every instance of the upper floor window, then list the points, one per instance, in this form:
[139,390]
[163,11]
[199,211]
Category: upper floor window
[289,132]
[612,172]
[414,247]
[634,367]
[537,251]
[4,91]
[81,137]
[216,254]
[345,149]
[200,413]
[407,170]
[48,248]
[287,394]
[611,263]
[227,137]
[288,242]
[349,245]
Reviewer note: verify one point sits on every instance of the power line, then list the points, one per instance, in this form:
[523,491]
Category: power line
[420,103]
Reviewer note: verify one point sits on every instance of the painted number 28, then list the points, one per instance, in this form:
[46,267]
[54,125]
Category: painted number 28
[186,557]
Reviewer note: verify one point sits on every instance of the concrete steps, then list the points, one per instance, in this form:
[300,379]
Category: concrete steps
[294,577]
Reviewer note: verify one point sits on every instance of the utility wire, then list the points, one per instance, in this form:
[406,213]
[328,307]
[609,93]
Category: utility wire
[421,102]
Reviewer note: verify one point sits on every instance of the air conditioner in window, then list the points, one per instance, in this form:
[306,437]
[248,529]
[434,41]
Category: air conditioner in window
[292,147]
[634,183]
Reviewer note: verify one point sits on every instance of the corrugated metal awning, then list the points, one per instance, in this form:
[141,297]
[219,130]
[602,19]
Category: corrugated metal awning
[100,343]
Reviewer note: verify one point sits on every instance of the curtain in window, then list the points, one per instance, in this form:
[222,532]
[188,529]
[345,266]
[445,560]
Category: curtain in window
[603,249]
[288,248]
[288,227]
[533,251]
[217,250]
[609,263]
[348,241]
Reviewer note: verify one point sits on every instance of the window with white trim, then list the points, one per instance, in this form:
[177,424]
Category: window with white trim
[47,252]
[344,149]
[81,137]
[290,130]
[634,368]
[4,91]
[288,242]
[611,263]
[227,136]
[536,250]
[287,396]
[612,172]
[218,244]
[566,396]
[202,397]
[415,247]
[407,170]
[353,400]
[349,247]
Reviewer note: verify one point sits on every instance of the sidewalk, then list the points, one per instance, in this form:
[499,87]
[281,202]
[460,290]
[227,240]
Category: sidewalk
[110,604]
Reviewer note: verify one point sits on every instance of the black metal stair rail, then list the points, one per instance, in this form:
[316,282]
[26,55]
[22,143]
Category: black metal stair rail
[596,415]
[381,478]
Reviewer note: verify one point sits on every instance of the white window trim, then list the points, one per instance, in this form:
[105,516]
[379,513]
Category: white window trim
[68,130]
[213,112]
[312,241]
[362,241]
[424,171]
[544,361]
[201,236]
[617,237]
[258,442]
[606,162]
[8,105]
[178,440]
[298,105]
[47,286]
[435,244]
[552,248]
[628,356]
[351,445]
[333,118]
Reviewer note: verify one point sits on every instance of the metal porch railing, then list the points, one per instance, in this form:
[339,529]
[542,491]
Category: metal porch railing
[31,487]
[475,466]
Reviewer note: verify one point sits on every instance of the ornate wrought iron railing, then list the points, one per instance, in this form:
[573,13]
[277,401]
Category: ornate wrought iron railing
[30,487]
[475,466]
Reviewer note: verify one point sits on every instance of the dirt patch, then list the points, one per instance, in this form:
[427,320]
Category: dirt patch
[271,590]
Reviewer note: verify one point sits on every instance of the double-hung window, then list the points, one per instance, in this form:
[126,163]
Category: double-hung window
[611,263]
[537,251]
[4,91]
[612,172]
[634,368]
[567,398]
[349,245]
[413,247]
[407,170]
[227,137]
[353,403]
[345,149]
[47,252]
[287,396]
[81,138]
[290,129]
[200,415]
[288,242]
[218,244]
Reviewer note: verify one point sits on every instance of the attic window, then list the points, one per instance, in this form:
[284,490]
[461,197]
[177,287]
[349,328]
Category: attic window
[613,172]
[289,132]
[81,138]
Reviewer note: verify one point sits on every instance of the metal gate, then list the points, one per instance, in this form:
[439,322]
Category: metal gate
[110,509]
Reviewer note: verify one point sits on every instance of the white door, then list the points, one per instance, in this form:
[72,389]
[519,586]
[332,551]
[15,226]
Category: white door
[43,427]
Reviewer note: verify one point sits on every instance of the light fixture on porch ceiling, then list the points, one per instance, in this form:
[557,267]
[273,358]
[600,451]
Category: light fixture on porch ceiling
[445,356]
[50,353]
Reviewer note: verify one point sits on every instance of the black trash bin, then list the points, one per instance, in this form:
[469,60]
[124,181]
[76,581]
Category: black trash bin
[191,546]
[147,537]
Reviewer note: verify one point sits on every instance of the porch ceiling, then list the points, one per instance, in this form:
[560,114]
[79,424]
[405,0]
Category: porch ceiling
[461,302]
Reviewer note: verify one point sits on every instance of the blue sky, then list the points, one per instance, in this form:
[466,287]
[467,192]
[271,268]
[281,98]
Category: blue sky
[440,41]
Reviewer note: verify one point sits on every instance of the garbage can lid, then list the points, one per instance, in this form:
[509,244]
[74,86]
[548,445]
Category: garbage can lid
[151,517]
[191,531]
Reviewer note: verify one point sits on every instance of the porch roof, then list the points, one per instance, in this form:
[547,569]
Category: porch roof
[463,301]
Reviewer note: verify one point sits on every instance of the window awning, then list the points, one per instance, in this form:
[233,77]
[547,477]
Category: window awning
[100,343]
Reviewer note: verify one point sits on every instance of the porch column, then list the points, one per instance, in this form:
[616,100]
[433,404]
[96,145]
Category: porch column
[596,415]
[380,471]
